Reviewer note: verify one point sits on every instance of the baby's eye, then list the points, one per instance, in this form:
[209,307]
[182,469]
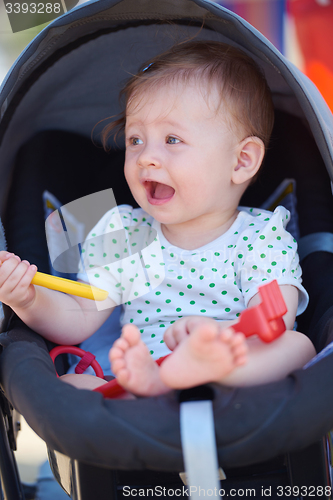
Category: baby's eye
[135,141]
[172,140]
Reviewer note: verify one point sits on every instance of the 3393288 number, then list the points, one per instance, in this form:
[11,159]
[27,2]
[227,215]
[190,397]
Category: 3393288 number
[304,491]
[33,8]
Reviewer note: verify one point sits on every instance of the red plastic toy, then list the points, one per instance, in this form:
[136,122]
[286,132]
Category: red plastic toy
[87,359]
[264,320]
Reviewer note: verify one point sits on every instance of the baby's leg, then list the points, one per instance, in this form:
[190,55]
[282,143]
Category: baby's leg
[132,364]
[89,382]
[208,354]
[83,381]
[273,361]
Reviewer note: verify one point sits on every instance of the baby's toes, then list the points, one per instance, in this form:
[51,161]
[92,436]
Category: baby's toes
[240,349]
[118,364]
[116,353]
[228,336]
[237,340]
[131,334]
[240,359]
[121,344]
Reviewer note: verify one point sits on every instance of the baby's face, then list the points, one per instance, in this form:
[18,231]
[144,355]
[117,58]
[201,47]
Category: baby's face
[180,154]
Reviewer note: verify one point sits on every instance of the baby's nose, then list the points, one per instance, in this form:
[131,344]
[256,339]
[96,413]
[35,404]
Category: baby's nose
[149,157]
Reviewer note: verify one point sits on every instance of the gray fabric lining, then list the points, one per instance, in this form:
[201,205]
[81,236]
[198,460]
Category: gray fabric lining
[315,242]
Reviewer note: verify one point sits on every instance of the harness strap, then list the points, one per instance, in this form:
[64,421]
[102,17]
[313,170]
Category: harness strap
[199,449]
[84,362]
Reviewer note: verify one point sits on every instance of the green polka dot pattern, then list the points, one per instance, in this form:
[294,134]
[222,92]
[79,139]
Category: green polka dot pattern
[162,283]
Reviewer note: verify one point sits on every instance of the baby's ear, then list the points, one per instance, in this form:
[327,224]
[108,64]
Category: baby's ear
[250,154]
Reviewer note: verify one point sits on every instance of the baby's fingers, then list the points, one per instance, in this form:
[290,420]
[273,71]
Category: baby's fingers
[27,276]
[7,267]
[177,332]
[170,338]
[15,281]
[4,255]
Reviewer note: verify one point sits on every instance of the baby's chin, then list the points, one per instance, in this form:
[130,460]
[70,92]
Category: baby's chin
[167,214]
[164,218]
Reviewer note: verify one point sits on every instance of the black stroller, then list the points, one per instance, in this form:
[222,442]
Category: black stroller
[271,439]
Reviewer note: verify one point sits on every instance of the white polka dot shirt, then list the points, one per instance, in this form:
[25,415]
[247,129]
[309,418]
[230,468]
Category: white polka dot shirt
[157,283]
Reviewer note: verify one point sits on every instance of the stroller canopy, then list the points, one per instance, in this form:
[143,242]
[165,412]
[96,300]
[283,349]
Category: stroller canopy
[68,79]
[70,75]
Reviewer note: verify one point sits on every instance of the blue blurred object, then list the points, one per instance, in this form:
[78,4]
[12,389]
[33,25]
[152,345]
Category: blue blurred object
[267,16]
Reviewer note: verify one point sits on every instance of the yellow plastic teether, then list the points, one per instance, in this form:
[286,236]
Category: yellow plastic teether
[69,286]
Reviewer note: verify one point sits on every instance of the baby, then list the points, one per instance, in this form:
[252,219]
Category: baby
[197,121]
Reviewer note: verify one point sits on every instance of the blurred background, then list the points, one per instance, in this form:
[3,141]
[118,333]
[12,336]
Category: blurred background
[271,17]
[301,29]
[268,16]
[277,19]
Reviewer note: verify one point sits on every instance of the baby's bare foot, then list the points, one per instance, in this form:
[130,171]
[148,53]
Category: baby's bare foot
[208,354]
[132,364]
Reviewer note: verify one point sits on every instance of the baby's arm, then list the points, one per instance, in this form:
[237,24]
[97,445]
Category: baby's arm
[59,317]
[268,362]
[290,295]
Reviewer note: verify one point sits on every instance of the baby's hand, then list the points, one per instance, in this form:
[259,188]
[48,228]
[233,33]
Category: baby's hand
[16,289]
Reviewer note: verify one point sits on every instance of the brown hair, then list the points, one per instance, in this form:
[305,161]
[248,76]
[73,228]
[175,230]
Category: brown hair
[241,83]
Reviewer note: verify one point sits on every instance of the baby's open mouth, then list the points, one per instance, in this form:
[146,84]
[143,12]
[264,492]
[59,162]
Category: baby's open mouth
[158,191]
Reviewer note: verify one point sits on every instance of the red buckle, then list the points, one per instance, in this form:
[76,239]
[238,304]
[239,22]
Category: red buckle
[84,362]
[70,349]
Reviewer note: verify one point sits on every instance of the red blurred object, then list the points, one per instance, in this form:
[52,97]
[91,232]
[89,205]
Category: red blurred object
[313,22]
[264,320]
[267,16]
[69,349]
